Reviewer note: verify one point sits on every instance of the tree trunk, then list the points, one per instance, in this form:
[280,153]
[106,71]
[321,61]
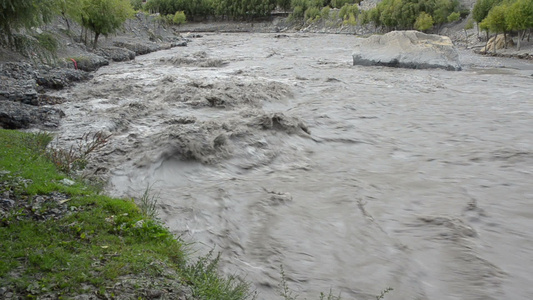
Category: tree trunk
[504,41]
[487,43]
[519,39]
[66,20]
[96,35]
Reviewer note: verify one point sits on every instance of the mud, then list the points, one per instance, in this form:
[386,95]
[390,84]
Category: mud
[279,151]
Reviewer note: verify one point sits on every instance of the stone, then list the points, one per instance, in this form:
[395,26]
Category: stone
[17,115]
[139,48]
[117,53]
[407,49]
[67,182]
[91,62]
[497,42]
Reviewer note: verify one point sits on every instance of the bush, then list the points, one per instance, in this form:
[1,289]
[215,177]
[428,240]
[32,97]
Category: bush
[297,12]
[325,12]
[455,16]
[340,3]
[424,22]
[179,18]
[312,13]
[137,4]
[48,42]
[348,11]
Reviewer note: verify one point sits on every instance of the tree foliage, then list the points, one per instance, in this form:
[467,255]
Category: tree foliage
[404,14]
[423,22]
[482,7]
[179,18]
[104,16]
[16,14]
[237,9]
[499,16]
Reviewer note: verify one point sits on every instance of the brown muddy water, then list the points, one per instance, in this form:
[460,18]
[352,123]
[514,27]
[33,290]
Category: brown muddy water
[275,150]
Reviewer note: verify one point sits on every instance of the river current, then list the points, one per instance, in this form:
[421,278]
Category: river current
[274,150]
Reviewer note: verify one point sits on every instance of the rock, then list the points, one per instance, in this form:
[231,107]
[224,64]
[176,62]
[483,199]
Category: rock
[139,48]
[117,53]
[91,62]
[182,43]
[21,90]
[407,49]
[497,42]
[67,182]
[56,78]
[16,115]
[17,70]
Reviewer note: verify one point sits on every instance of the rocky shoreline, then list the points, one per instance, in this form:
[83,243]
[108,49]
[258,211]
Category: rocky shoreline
[25,82]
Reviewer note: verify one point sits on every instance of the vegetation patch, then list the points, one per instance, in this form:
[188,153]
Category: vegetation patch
[60,238]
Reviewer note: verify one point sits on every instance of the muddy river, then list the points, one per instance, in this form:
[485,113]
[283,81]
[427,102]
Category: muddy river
[275,150]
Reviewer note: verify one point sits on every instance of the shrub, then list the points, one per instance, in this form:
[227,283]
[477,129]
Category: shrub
[455,16]
[325,12]
[47,41]
[137,4]
[312,13]
[297,13]
[340,3]
[77,156]
[348,11]
[424,22]
[179,18]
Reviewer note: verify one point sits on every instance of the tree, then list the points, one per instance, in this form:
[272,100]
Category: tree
[403,14]
[69,9]
[469,25]
[424,22]
[519,16]
[105,16]
[454,16]
[179,18]
[284,4]
[495,20]
[482,8]
[16,14]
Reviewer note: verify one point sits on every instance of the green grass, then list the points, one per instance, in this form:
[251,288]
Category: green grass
[93,243]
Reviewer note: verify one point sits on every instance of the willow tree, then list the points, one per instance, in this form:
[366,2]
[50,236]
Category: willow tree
[69,9]
[519,17]
[104,16]
[17,14]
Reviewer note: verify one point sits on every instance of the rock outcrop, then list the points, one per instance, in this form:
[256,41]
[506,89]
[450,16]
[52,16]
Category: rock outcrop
[116,53]
[17,115]
[407,49]
[497,42]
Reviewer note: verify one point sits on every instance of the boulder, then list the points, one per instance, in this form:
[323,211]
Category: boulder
[139,47]
[407,49]
[117,53]
[16,115]
[59,78]
[90,62]
[22,90]
[497,42]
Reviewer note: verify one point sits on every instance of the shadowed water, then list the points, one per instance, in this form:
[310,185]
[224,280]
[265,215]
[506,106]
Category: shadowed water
[276,150]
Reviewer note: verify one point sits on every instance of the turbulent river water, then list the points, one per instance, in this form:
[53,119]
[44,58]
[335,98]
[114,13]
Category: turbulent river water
[275,150]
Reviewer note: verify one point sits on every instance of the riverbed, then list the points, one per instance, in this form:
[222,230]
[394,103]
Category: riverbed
[272,149]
